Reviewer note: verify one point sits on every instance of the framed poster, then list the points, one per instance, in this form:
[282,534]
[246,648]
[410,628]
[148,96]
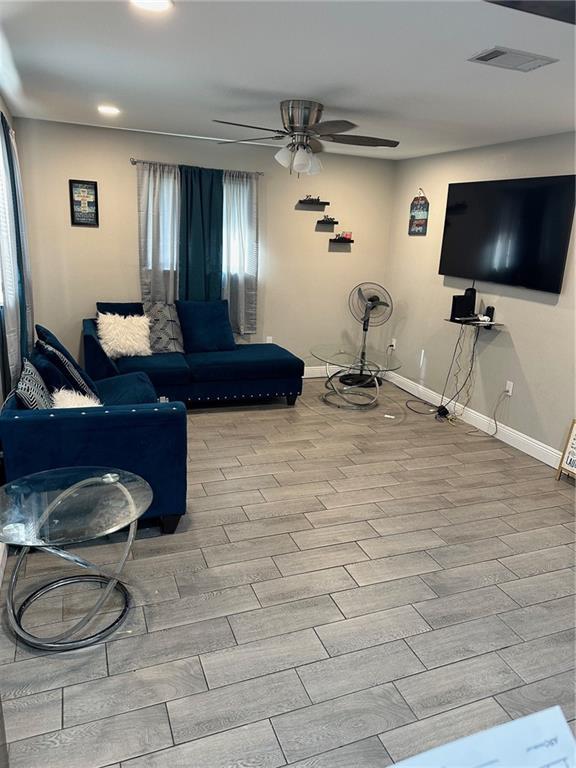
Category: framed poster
[83,203]
[567,464]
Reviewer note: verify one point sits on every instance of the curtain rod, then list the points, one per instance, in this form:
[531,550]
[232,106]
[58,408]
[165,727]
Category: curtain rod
[135,161]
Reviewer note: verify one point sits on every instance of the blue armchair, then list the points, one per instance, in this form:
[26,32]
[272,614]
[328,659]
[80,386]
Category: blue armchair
[148,439]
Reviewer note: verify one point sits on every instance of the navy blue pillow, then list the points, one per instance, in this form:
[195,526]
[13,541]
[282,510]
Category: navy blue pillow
[51,375]
[124,308]
[205,326]
[48,338]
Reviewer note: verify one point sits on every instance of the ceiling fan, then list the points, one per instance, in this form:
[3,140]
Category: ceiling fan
[304,131]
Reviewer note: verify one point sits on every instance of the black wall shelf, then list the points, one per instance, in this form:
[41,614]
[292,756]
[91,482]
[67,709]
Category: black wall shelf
[323,223]
[312,203]
[341,240]
[475,323]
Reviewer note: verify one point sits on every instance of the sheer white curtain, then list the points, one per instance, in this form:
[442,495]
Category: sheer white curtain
[158,228]
[240,249]
[14,266]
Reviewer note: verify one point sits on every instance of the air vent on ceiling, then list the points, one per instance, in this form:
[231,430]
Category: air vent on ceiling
[507,58]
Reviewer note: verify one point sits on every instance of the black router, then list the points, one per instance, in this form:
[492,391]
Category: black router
[464,307]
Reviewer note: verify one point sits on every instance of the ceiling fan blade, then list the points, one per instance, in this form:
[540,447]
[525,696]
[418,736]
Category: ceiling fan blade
[256,127]
[252,138]
[362,141]
[332,126]
[315,145]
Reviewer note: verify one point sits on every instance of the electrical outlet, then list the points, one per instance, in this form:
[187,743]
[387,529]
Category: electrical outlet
[268,339]
[509,388]
[393,343]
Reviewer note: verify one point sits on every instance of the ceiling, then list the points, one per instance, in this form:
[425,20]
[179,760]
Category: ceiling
[397,69]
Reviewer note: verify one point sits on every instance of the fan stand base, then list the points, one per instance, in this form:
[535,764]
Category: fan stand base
[366,380]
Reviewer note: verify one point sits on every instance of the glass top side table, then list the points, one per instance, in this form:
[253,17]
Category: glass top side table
[346,356]
[356,383]
[59,507]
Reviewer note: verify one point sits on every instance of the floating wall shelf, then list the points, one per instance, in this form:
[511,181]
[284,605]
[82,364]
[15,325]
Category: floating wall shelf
[340,240]
[323,223]
[476,323]
[313,203]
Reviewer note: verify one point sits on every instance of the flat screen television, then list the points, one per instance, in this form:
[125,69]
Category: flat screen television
[514,232]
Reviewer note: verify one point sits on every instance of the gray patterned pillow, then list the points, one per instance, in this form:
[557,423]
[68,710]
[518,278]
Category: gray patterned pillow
[31,390]
[165,331]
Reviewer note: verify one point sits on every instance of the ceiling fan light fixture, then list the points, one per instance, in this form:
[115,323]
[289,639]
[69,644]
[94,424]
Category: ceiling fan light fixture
[315,165]
[305,133]
[301,162]
[284,157]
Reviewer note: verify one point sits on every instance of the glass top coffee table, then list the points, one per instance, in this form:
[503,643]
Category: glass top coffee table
[356,383]
[59,507]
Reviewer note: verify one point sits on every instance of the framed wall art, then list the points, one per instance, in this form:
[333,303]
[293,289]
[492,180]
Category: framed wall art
[83,203]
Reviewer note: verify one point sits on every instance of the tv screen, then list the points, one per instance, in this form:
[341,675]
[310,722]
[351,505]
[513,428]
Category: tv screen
[514,232]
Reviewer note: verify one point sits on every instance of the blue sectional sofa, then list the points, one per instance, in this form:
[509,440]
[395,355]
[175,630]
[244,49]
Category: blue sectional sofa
[248,372]
[132,431]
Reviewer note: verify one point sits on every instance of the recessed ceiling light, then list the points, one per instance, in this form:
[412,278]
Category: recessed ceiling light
[155,6]
[108,109]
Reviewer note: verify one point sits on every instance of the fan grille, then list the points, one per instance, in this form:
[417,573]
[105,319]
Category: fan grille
[360,297]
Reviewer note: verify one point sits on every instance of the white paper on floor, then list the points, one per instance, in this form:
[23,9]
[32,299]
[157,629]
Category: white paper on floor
[542,740]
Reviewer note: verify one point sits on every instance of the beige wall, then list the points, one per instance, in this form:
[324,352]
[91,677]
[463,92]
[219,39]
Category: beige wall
[535,349]
[303,287]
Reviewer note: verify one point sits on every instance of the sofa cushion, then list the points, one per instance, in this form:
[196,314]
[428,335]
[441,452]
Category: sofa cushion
[167,368]
[51,375]
[49,338]
[73,375]
[124,308]
[246,362]
[31,390]
[71,398]
[124,336]
[127,389]
[205,326]
[165,331]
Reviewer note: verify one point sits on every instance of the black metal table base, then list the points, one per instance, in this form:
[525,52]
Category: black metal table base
[70,639]
[68,645]
[349,396]
[365,380]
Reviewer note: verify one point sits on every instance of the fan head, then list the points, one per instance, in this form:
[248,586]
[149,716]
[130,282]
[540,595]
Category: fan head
[303,128]
[300,114]
[370,299]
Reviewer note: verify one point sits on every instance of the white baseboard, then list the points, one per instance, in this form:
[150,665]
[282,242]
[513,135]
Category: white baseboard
[314,371]
[513,437]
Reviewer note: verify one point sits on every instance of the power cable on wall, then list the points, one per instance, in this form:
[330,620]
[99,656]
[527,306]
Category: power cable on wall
[479,432]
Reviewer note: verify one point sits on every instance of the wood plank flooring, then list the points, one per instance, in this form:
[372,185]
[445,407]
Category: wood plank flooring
[345,590]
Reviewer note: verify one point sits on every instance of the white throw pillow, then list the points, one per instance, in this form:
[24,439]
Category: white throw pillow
[68,398]
[124,336]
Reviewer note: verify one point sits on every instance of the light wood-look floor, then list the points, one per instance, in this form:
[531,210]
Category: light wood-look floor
[345,591]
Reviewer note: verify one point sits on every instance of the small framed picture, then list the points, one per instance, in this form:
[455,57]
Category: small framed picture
[568,461]
[83,203]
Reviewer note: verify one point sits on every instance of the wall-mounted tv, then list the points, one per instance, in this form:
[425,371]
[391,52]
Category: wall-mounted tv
[514,232]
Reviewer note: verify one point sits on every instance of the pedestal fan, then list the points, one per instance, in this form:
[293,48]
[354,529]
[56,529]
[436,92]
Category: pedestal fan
[370,304]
